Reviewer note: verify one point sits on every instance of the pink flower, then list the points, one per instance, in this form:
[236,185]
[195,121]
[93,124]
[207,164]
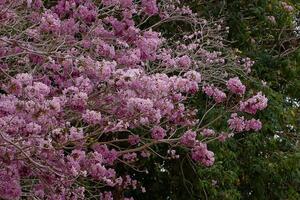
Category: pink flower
[50,22]
[106,196]
[84,84]
[202,155]
[150,7]
[255,103]
[236,123]
[9,186]
[107,69]
[239,124]
[86,13]
[148,45]
[15,87]
[247,63]
[188,138]
[76,134]
[158,133]
[29,2]
[184,62]
[126,3]
[287,7]
[223,137]
[145,154]
[214,92]
[24,78]
[253,124]
[130,157]
[208,132]
[92,117]
[236,86]
[79,100]
[105,49]
[37,4]
[8,103]
[56,104]
[33,128]
[107,156]
[69,27]
[38,90]
[193,75]
[133,139]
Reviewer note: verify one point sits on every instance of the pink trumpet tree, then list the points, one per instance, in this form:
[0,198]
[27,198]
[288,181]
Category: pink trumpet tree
[89,85]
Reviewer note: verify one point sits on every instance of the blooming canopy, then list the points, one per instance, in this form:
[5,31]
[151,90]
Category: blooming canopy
[89,85]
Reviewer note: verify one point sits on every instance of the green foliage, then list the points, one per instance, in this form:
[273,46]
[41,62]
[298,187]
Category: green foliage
[49,3]
[268,162]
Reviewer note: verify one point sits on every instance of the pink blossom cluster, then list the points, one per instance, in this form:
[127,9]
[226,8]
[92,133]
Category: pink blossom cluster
[247,63]
[255,103]
[134,139]
[208,132]
[211,57]
[85,90]
[218,95]
[158,133]
[236,86]
[239,124]
[189,138]
[201,154]
[286,6]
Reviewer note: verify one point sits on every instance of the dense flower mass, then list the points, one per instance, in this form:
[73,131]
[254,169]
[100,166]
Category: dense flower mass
[91,87]
[158,133]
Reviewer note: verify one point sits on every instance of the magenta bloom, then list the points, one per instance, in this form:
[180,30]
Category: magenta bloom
[158,133]
[255,103]
[236,86]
